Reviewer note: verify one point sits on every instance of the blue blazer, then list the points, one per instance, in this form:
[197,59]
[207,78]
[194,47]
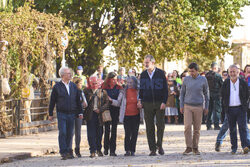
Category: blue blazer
[65,103]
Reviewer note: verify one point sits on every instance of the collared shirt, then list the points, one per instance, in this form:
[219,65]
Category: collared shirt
[152,73]
[234,93]
[67,86]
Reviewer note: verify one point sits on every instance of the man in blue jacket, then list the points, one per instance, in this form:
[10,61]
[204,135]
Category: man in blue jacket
[153,97]
[66,97]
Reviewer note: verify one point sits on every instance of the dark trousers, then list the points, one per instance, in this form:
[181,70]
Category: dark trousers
[66,124]
[237,115]
[152,110]
[78,127]
[94,132]
[214,110]
[110,141]
[131,127]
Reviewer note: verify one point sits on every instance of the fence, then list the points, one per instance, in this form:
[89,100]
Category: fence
[20,117]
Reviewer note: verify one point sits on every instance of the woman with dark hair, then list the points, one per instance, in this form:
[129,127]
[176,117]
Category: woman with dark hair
[129,114]
[113,89]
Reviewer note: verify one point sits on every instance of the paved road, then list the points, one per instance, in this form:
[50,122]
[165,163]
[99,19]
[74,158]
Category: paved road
[174,145]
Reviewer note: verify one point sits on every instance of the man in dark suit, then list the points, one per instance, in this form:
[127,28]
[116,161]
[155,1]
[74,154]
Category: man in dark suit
[153,97]
[235,97]
[66,97]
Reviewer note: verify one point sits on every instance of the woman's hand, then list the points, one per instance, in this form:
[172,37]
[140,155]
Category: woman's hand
[97,111]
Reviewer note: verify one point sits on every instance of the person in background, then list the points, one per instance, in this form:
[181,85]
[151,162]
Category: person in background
[247,78]
[224,75]
[194,92]
[79,72]
[153,97]
[176,77]
[171,108]
[180,115]
[100,73]
[78,121]
[241,74]
[66,97]
[235,98]
[122,77]
[214,83]
[111,86]
[98,102]
[129,114]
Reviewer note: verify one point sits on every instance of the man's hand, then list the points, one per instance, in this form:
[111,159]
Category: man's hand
[97,111]
[182,110]
[163,106]
[50,118]
[80,116]
[85,105]
[139,105]
[205,111]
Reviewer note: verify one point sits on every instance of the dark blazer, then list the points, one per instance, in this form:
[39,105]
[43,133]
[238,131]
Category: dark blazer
[65,103]
[225,94]
[155,90]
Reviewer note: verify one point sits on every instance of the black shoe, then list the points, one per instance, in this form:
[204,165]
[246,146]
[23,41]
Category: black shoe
[217,128]
[160,151]
[70,155]
[100,154]
[106,152]
[64,156]
[113,154]
[153,153]
[217,147]
[127,153]
[209,128]
[132,153]
[77,152]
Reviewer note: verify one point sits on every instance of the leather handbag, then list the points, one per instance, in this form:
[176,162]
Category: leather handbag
[106,116]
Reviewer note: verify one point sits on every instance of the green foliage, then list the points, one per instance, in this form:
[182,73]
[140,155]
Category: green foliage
[164,28]
[32,37]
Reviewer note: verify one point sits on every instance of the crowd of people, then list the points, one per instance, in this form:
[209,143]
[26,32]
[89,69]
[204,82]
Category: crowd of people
[105,99]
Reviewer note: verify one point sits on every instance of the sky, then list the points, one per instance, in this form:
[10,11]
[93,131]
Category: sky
[244,31]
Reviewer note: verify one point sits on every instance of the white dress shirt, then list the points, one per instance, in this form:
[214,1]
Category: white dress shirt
[152,74]
[67,87]
[234,93]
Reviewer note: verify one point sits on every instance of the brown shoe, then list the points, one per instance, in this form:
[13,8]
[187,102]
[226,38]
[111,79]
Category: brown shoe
[187,151]
[196,151]
[92,155]
[245,150]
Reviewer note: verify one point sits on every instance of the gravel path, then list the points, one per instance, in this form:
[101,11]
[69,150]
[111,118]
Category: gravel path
[174,145]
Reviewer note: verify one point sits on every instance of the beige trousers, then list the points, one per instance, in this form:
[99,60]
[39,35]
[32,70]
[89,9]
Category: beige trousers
[27,105]
[192,116]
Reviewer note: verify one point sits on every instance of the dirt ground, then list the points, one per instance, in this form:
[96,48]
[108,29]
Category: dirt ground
[174,145]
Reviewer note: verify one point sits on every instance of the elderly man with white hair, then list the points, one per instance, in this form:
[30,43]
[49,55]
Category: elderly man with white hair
[235,97]
[66,97]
